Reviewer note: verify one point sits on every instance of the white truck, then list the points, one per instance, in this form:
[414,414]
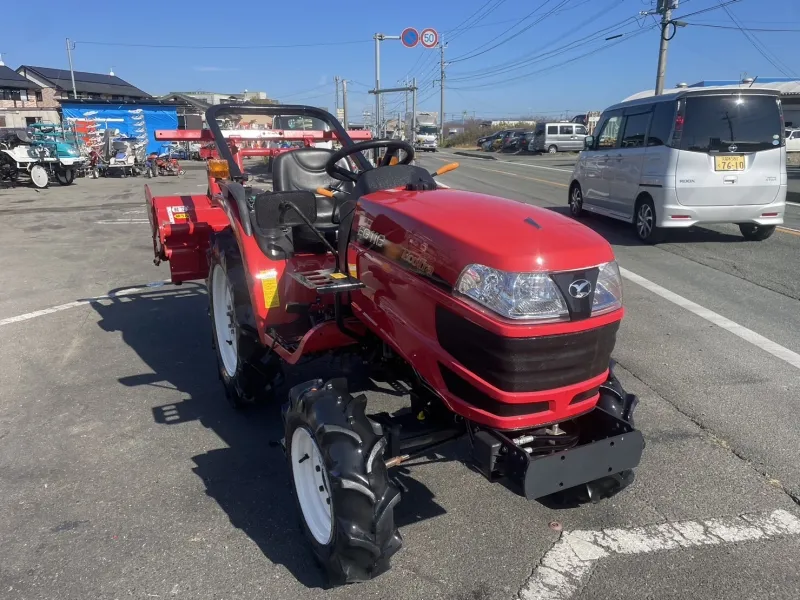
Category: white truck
[425,136]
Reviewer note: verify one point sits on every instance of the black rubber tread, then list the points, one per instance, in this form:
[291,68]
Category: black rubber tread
[756,233]
[249,384]
[364,537]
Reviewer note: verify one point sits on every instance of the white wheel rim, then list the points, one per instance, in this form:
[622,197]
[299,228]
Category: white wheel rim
[645,223]
[311,485]
[576,200]
[39,176]
[224,323]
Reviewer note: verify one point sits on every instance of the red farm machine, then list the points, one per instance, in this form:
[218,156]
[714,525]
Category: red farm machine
[499,317]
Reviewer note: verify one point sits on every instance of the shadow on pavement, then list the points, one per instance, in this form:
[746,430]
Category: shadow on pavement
[169,328]
[622,234]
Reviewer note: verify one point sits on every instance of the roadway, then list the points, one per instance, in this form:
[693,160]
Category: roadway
[124,474]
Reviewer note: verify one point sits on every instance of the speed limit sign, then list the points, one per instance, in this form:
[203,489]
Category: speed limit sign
[429,38]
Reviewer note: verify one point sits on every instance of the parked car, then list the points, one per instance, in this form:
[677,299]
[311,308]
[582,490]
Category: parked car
[524,140]
[693,156]
[793,140]
[491,142]
[558,137]
[511,139]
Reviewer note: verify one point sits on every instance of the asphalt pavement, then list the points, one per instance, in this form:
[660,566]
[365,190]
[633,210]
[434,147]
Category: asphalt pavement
[124,474]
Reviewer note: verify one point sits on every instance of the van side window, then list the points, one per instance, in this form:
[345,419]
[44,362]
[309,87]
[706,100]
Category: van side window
[610,132]
[635,130]
[580,130]
[661,124]
[565,129]
[552,130]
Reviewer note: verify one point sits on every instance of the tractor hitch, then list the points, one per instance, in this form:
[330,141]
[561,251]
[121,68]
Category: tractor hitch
[592,455]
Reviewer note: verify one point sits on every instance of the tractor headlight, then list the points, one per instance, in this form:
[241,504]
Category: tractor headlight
[513,295]
[608,291]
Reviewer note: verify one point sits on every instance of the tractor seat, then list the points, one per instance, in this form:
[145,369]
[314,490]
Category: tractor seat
[304,170]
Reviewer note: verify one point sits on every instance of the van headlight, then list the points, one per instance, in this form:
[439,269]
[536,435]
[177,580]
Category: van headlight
[513,295]
[535,295]
[608,290]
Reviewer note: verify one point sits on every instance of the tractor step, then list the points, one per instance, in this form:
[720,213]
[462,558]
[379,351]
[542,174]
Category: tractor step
[327,281]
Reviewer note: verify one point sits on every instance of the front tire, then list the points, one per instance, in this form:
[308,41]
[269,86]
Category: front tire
[342,488]
[576,201]
[646,229]
[239,352]
[39,177]
[552,150]
[754,232]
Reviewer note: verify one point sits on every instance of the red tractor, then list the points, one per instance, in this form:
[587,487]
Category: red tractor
[497,318]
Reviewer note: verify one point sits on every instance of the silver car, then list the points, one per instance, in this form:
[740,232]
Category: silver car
[557,137]
[698,155]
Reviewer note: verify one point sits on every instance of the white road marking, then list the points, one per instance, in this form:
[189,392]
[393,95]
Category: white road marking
[82,302]
[748,335]
[568,564]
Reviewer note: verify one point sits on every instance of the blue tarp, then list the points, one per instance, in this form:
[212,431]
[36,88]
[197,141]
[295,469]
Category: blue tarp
[132,120]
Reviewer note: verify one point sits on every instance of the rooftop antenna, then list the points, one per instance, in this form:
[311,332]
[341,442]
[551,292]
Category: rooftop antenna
[111,72]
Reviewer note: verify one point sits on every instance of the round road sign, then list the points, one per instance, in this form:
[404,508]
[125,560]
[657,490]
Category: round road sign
[409,37]
[429,38]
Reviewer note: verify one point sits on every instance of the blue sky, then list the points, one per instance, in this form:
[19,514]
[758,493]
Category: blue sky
[481,79]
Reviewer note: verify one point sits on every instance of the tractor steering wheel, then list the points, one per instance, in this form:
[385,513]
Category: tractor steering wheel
[392,146]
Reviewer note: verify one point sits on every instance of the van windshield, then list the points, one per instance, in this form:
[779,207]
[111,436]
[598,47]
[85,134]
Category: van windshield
[736,123]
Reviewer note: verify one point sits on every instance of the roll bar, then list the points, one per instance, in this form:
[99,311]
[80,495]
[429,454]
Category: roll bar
[218,110]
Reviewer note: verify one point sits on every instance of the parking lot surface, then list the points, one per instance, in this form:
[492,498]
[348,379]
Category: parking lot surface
[124,473]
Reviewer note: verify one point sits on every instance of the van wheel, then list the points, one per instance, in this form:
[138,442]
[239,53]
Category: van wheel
[552,150]
[756,233]
[646,229]
[575,201]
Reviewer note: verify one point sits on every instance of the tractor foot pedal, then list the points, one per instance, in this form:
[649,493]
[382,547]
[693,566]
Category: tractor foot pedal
[327,281]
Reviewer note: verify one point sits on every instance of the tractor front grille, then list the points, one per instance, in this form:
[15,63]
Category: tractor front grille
[526,364]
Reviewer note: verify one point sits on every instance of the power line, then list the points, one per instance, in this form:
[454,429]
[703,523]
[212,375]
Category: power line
[743,29]
[756,43]
[474,54]
[253,47]
[520,78]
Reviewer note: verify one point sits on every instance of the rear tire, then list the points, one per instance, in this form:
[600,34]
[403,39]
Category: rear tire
[645,222]
[65,177]
[756,233]
[552,150]
[342,488]
[245,377]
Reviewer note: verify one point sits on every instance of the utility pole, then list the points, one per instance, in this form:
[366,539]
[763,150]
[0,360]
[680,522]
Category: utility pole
[336,104]
[344,102]
[441,88]
[413,109]
[70,46]
[665,8]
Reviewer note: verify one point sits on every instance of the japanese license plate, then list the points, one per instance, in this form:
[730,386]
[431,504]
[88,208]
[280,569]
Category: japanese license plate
[729,163]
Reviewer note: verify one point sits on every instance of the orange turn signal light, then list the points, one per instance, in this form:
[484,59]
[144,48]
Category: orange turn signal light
[219,168]
[446,169]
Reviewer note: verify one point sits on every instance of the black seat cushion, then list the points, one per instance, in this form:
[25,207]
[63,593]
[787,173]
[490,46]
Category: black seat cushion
[304,169]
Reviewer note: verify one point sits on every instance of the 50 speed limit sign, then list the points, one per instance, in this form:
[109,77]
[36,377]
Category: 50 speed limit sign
[429,38]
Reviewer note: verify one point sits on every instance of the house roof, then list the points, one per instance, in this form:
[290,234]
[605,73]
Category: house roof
[90,83]
[9,78]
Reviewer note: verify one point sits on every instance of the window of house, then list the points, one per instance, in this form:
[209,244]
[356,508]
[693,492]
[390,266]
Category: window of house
[2,121]
[39,96]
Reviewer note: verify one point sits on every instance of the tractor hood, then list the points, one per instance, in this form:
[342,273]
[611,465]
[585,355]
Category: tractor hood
[440,232]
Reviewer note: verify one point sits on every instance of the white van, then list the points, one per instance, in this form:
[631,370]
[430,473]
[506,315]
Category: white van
[702,155]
